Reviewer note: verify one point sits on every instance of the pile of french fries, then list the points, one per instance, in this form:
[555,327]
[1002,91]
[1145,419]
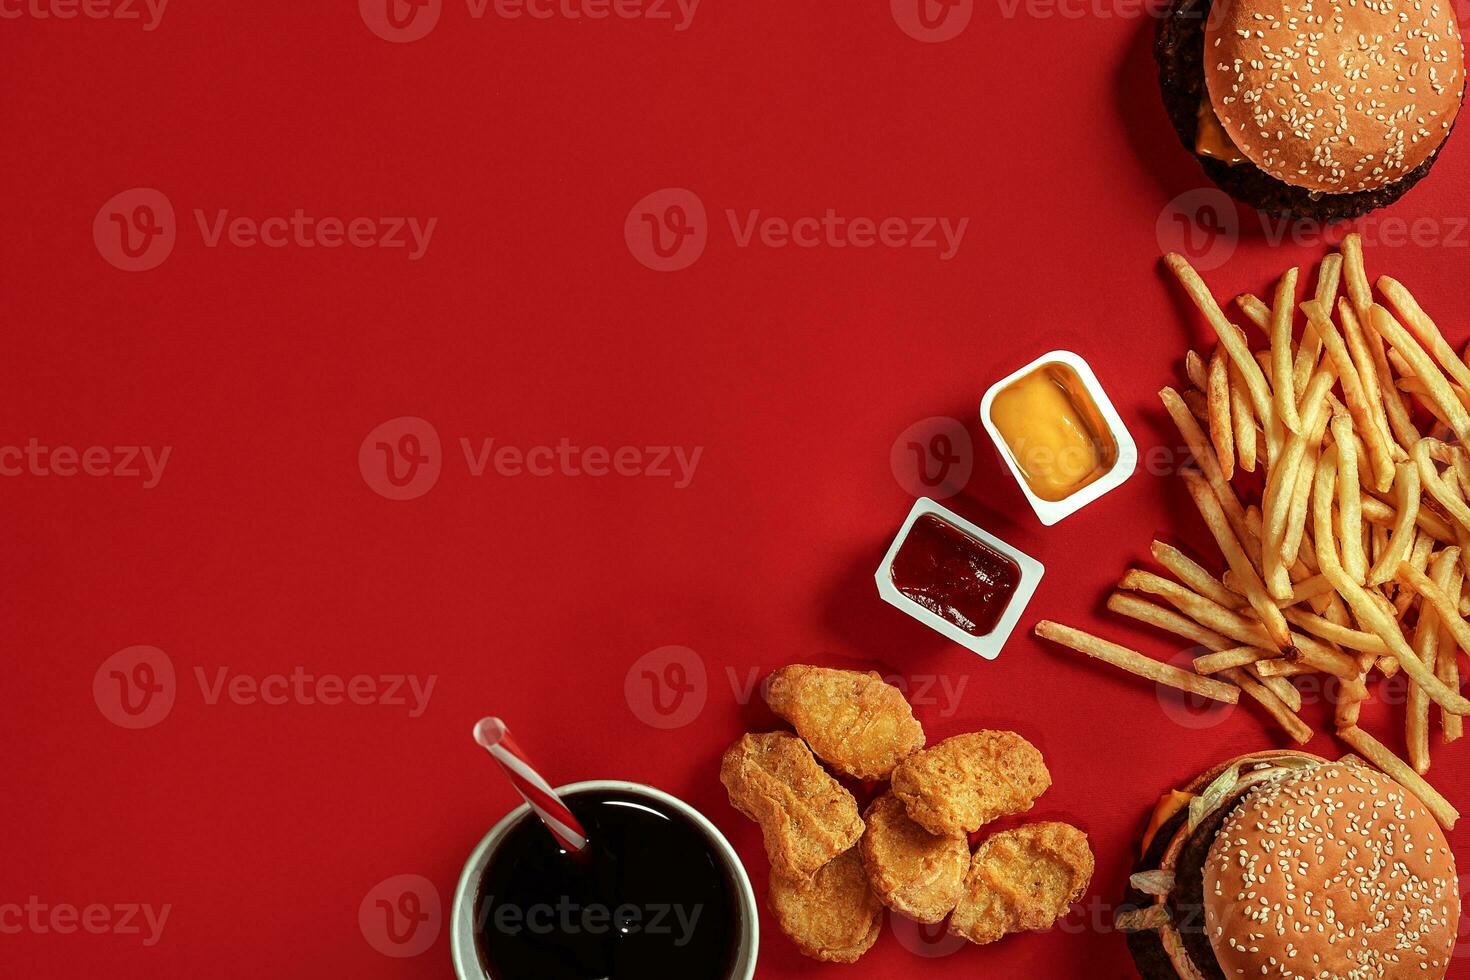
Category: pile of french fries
[1354,560]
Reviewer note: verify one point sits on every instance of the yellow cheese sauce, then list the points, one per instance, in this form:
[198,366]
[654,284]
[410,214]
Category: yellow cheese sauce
[1054,431]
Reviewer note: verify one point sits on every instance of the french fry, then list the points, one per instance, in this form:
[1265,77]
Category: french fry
[1279,667]
[1281,480]
[1355,276]
[1381,460]
[1407,489]
[1166,619]
[1136,663]
[1191,573]
[1350,697]
[1376,511]
[1301,495]
[1283,379]
[1204,456]
[1195,370]
[1255,311]
[1321,657]
[1429,478]
[1233,340]
[1349,499]
[1446,607]
[1329,274]
[1418,559]
[1375,752]
[1217,399]
[1358,350]
[1211,615]
[1244,419]
[1448,667]
[1424,329]
[1400,340]
[1426,646]
[1279,686]
[1343,636]
[1198,404]
[1364,608]
[1213,663]
[1400,421]
[1266,698]
[1278,636]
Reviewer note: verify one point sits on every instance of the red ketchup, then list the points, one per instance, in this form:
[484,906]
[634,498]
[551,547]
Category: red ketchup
[954,576]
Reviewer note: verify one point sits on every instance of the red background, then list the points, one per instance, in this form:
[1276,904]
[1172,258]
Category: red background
[528,320]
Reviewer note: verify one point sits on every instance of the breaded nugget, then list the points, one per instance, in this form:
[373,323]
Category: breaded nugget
[1022,880]
[806,816]
[965,782]
[911,870]
[833,915]
[855,722]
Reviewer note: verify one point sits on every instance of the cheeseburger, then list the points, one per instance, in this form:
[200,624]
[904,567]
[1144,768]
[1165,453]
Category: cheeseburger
[1322,109]
[1285,865]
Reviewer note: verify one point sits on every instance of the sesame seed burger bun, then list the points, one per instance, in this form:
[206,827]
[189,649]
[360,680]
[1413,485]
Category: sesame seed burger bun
[1184,46]
[1368,874]
[1335,97]
[1336,871]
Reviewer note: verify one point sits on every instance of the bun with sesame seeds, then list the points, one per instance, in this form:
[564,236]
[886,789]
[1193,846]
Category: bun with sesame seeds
[1285,865]
[1332,871]
[1322,109]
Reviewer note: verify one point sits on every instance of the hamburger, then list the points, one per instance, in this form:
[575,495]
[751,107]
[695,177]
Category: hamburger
[1320,109]
[1285,865]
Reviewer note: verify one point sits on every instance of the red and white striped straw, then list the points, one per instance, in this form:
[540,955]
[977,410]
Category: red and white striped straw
[492,735]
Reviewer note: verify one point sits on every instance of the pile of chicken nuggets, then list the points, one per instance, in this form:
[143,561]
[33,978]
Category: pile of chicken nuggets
[834,869]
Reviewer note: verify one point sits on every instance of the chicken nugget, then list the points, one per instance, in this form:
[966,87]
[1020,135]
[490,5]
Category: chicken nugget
[1022,880]
[911,870]
[963,783]
[833,915]
[854,722]
[806,817]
